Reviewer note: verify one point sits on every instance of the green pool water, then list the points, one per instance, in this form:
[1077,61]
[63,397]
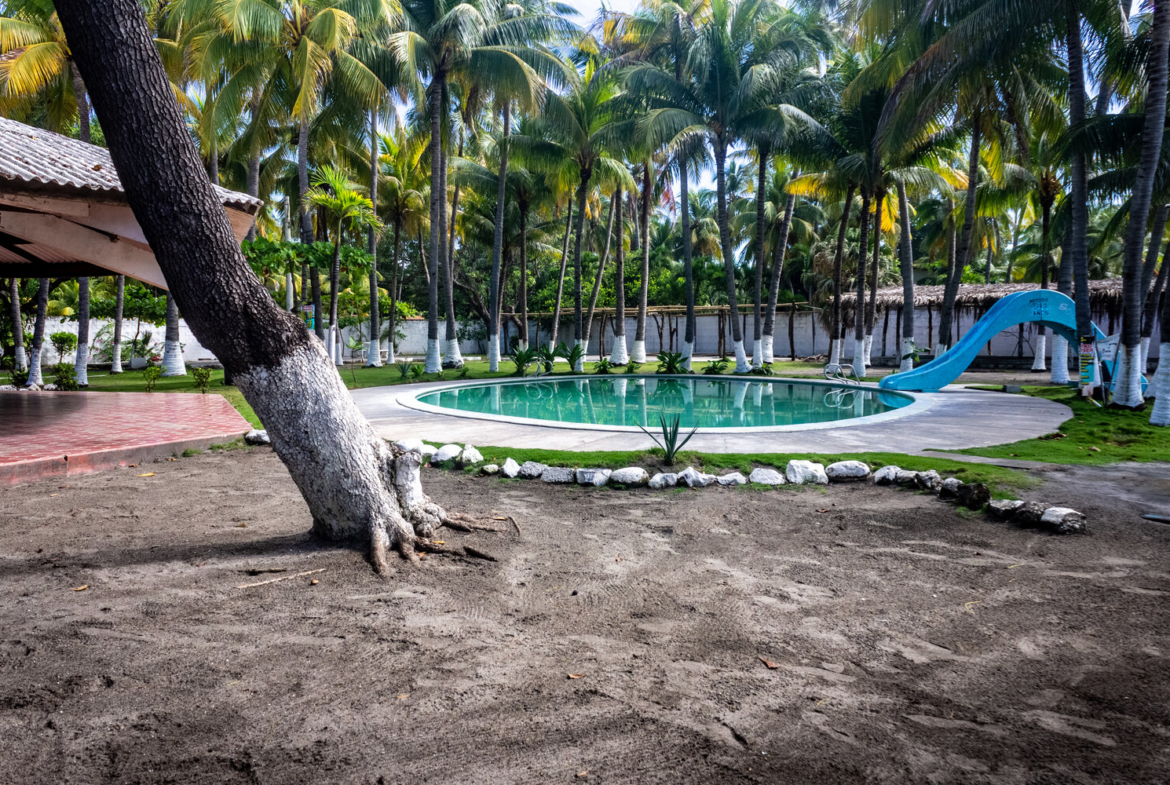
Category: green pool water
[700,402]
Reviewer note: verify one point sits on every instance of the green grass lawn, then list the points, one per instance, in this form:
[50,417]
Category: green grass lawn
[1093,435]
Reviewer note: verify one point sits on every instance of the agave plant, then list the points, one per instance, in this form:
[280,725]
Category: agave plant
[670,444]
[572,356]
[523,358]
[672,363]
[403,368]
[716,367]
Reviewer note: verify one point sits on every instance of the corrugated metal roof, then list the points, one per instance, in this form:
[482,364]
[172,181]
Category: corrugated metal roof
[33,155]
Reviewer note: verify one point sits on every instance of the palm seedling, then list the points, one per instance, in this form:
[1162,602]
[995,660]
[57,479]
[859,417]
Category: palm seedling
[572,356]
[670,445]
[671,363]
[523,358]
[603,366]
[716,367]
[632,367]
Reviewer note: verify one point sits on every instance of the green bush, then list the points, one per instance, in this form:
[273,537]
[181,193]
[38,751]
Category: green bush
[202,378]
[717,366]
[63,342]
[604,366]
[671,363]
[65,377]
[151,375]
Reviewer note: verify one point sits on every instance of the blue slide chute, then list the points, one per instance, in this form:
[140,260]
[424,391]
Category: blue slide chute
[1041,306]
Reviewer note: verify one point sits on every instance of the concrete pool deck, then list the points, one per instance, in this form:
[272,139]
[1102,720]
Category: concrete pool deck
[955,418]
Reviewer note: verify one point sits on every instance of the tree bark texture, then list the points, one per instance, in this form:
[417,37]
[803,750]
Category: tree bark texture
[354,484]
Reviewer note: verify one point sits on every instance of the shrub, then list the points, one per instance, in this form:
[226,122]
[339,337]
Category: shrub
[604,366]
[671,362]
[65,377]
[632,367]
[522,358]
[63,342]
[202,378]
[572,356]
[416,371]
[151,375]
[717,366]
[19,377]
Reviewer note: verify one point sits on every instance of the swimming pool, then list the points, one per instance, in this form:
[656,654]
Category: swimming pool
[618,402]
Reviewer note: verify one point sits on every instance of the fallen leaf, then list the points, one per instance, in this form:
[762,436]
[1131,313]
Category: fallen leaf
[576,675]
[769,664]
[51,495]
[148,474]
[83,587]
[313,582]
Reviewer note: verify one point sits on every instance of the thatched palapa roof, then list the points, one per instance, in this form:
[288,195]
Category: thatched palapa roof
[1104,296]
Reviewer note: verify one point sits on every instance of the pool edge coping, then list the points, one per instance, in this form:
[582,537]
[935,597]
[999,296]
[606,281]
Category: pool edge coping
[919,403]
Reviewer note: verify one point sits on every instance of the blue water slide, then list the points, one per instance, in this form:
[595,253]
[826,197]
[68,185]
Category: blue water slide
[1042,306]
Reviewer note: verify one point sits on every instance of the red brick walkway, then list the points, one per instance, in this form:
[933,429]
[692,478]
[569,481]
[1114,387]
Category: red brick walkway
[54,433]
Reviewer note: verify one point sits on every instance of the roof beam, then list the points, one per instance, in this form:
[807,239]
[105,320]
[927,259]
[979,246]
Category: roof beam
[110,253]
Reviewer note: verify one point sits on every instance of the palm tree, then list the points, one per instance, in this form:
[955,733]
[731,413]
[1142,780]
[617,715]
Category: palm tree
[38,341]
[443,39]
[402,201]
[339,198]
[573,139]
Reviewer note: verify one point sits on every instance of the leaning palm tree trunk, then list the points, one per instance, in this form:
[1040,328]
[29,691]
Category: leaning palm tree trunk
[1127,387]
[777,274]
[453,358]
[859,303]
[556,316]
[578,328]
[741,362]
[433,360]
[871,305]
[906,254]
[838,257]
[600,274]
[374,354]
[172,359]
[497,249]
[81,357]
[757,299]
[19,357]
[1161,215]
[119,302]
[688,265]
[638,354]
[38,341]
[356,486]
[963,250]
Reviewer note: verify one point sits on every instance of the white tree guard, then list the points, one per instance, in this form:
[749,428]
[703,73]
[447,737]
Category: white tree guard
[638,354]
[494,353]
[454,356]
[1161,387]
[81,365]
[906,361]
[1038,358]
[768,357]
[1127,387]
[741,361]
[172,359]
[34,368]
[434,363]
[619,354]
[1059,360]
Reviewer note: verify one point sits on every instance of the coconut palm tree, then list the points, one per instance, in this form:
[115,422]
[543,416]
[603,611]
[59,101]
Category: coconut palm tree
[403,204]
[339,198]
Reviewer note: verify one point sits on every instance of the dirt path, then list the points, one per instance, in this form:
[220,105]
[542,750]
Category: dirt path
[911,644]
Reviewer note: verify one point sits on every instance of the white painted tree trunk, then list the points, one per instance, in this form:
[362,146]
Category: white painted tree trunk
[768,357]
[34,368]
[1127,387]
[579,366]
[835,354]
[81,365]
[906,363]
[758,353]
[434,363]
[688,351]
[374,354]
[455,357]
[868,348]
[1145,354]
[940,350]
[172,359]
[333,342]
[21,359]
[1161,387]
[494,353]
[390,358]
[116,361]
[618,355]
[290,302]
[638,355]
[1059,360]
[1038,358]
[741,361]
[859,357]
[739,397]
